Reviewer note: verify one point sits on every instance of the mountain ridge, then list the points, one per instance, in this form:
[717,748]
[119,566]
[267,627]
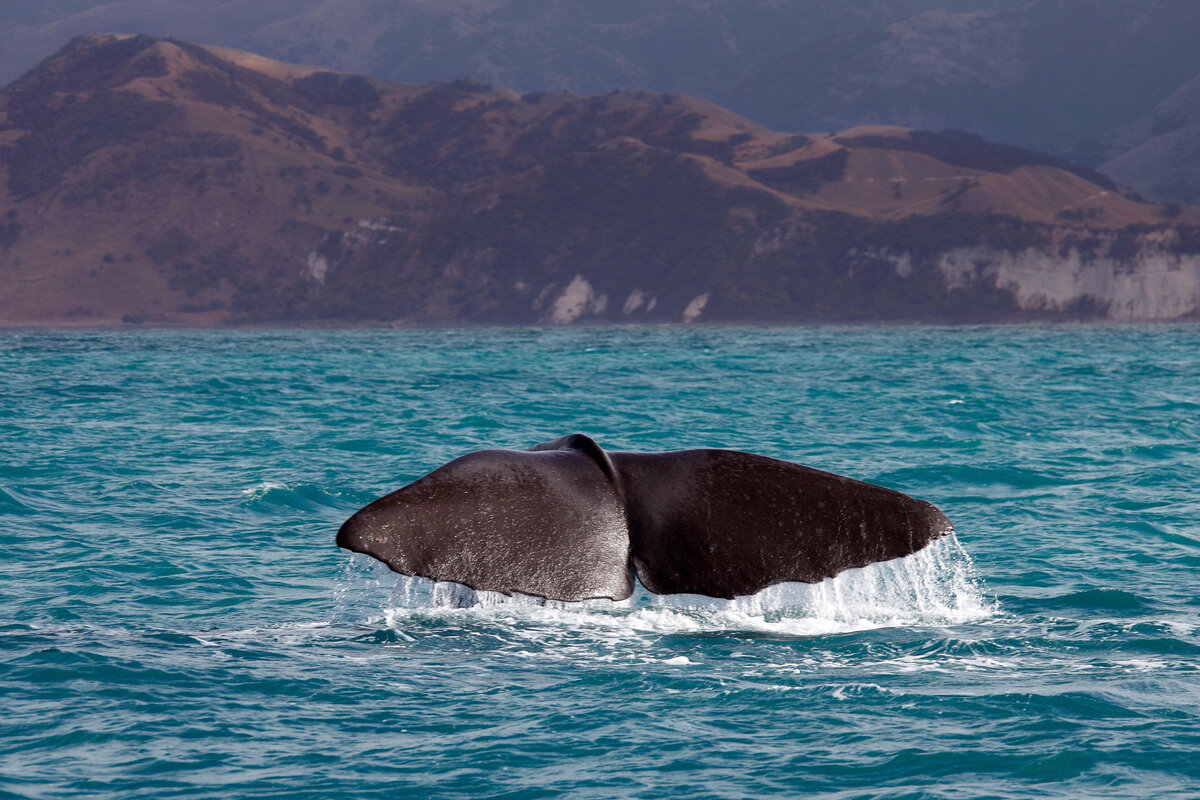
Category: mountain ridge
[161,181]
[531,46]
[1074,78]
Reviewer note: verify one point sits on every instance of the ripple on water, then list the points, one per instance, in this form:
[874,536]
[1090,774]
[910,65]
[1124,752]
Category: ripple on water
[178,622]
[10,503]
[1100,600]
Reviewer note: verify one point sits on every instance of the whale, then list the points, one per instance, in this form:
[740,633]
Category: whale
[567,520]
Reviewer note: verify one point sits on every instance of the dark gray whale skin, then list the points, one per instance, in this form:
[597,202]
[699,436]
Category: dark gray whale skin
[567,520]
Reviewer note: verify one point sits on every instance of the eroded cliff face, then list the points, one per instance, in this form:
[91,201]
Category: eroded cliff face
[1149,278]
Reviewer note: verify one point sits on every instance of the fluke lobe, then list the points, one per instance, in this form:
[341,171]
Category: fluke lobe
[566,520]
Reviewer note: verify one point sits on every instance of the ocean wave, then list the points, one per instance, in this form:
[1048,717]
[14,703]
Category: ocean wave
[10,503]
[1100,599]
[271,497]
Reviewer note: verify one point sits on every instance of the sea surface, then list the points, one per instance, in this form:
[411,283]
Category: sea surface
[178,623]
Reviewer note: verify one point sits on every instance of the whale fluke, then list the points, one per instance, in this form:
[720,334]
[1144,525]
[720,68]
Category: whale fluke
[567,520]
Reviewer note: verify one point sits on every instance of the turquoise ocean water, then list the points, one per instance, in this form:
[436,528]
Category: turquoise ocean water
[177,621]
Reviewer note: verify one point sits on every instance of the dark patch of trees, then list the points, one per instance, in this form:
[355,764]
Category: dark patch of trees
[10,232]
[172,245]
[679,137]
[62,139]
[806,175]
[331,89]
[624,218]
[927,237]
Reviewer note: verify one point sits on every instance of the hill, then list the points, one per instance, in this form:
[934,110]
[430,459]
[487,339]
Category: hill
[1092,79]
[692,46]
[153,180]
[1082,79]
[1159,154]
[1047,74]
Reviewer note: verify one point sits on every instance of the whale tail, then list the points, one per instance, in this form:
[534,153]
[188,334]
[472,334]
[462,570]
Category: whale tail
[567,520]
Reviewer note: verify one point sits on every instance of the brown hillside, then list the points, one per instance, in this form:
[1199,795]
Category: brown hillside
[153,180]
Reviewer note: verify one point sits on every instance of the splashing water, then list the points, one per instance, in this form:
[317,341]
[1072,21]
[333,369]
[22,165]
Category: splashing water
[936,586]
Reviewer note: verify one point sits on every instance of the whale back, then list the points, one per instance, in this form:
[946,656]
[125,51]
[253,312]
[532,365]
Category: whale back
[566,520]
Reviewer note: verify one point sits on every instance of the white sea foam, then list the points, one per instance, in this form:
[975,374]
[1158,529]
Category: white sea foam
[937,586]
[261,490]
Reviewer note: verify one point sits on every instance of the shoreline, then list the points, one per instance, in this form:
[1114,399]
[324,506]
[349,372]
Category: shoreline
[345,325]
